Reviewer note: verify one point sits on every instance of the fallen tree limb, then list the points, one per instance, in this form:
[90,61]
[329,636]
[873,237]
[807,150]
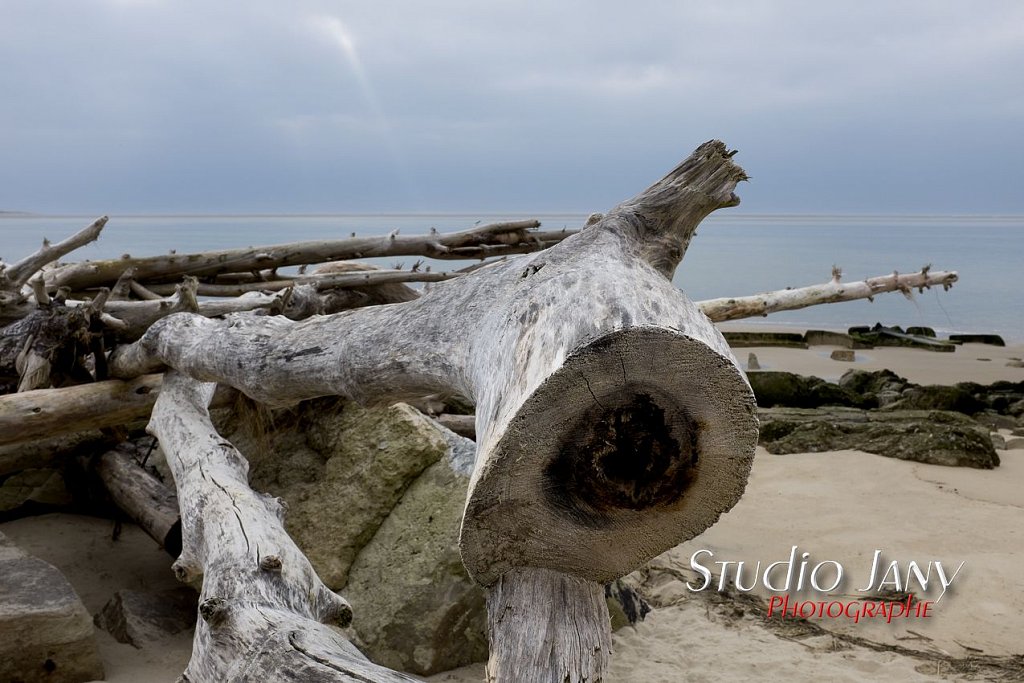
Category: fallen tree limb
[264,612]
[509,237]
[145,499]
[13,276]
[319,280]
[15,303]
[734,308]
[47,343]
[48,412]
[613,421]
[44,413]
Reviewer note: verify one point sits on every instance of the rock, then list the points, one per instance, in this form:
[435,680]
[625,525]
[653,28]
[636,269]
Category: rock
[340,468]
[752,363]
[880,335]
[998,442]
[880,387]
[626,606]
[138,618]
[45,631]
[995,421]
[937,397]
[416,609]
[788,389]
[1017,431]
[1015,443]
[845,355]
[1016,408]
[930,436]
[827,338]
[921,331]
[784,339]
[1015,363]
[42,486]
[993,339]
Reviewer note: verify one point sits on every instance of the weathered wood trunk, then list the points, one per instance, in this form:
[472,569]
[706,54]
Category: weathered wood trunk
[144,498]
[567,638]
[612,420]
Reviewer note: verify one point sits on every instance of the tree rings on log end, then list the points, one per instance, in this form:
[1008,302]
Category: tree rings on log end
[639,441]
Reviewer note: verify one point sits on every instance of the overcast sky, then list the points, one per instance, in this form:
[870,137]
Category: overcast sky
[470,105]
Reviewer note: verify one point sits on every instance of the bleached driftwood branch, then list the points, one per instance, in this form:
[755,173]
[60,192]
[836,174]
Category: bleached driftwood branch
[735,308]
[15,303]
[479,242]
[17,274]
[370,278]
[264,613]
[613,421]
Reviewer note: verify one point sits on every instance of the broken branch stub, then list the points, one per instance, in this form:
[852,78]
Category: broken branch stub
[613,421]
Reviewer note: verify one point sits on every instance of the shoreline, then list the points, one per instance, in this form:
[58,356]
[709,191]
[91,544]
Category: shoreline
[982,363]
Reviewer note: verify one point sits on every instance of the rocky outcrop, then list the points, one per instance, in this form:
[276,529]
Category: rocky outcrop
[932,436]
[829,338]
[880,387]
[138,618]
[45,631]
[416,609]
[792,390]
[375,499]
[937,397]
[340,468]
[992,339]
[791,340]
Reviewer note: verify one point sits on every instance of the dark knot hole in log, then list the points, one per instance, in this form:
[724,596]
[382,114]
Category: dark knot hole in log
[633,453]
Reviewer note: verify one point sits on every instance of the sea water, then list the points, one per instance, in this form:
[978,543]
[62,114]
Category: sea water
[733,254]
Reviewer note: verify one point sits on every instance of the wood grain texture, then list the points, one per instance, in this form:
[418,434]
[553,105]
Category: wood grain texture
[547,627]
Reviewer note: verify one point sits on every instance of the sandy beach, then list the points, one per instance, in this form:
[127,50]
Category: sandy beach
[840,506]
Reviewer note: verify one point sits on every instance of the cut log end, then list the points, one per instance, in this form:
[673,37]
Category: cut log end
[640,441]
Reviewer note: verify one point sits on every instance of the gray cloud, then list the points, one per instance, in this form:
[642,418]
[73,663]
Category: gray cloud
[150,105]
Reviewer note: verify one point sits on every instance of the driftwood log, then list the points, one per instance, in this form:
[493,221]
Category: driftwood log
[144,498]
[480,242]
[264,613]
[833,291]
[612,420]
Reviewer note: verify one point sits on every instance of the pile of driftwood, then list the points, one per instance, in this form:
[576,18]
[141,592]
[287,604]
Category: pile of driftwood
[612,421]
